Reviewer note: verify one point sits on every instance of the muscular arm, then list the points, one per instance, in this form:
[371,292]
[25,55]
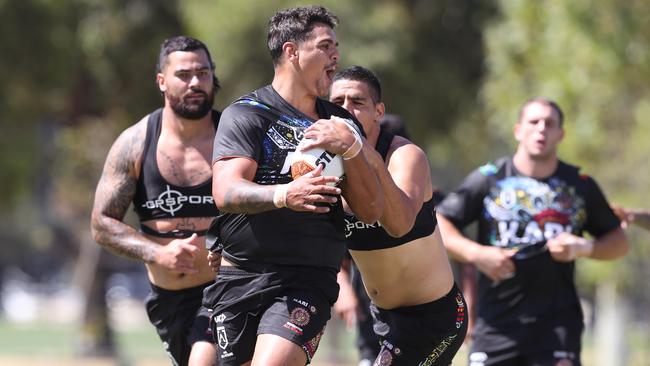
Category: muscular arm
[567,247]
[611,245]
[114,194]
[361,187]
[405,181]
[459,247]
[492,261]
[234,190]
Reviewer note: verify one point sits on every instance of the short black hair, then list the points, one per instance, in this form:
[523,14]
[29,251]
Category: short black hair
[361,74]
[185,44]
[545,101]
[294,25]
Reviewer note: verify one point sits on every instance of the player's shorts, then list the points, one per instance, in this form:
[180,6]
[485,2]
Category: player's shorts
[425,335]
[289,301]
[551,339]
[180,320]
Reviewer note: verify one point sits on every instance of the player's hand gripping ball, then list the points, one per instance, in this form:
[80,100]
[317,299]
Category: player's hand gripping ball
[303,162]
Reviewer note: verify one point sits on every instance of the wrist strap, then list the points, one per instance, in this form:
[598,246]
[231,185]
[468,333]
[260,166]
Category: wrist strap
[356,147]
[280,195]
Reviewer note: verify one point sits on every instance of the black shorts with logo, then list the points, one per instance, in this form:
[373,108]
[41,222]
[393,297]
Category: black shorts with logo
[180,320]
[546,340]
[292,302]
[425,335]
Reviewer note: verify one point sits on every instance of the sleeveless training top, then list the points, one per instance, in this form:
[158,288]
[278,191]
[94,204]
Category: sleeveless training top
[156,198]
[362,236]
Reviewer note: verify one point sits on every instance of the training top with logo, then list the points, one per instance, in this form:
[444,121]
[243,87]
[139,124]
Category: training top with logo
[264,127]
[156,198]
[517,211]
[362,236]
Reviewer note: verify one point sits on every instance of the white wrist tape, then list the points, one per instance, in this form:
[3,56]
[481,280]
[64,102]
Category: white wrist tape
[356,147]
[280,195]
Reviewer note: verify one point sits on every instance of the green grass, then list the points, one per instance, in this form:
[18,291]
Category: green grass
[32,343]
[58,341]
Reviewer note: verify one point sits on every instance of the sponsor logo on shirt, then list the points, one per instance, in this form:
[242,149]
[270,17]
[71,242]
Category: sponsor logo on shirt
[172,200]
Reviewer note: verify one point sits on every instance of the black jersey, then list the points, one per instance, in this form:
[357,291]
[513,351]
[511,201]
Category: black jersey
[155,197]
[362,236]
[264,127]
[517,211]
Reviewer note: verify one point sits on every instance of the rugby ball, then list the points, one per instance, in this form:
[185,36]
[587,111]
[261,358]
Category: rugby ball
[303,162]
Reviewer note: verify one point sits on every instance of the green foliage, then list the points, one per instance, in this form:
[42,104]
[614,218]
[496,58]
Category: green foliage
[595,61]
[428,54]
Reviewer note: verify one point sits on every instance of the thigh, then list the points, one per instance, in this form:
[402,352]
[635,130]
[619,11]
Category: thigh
[299,317]
[427,334]
[203,354]
[272,350]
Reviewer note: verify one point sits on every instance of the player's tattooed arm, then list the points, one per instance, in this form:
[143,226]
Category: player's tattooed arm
[234,190]
[114,194]
[247,197]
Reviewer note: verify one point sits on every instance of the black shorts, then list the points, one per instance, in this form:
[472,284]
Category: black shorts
[291,302]
[426,334]
[550,339]
[180,320]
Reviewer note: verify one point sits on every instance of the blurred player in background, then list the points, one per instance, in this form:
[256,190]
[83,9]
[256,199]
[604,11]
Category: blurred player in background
[532,210]
[162,165]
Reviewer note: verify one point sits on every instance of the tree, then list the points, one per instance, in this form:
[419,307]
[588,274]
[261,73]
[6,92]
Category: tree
[595,61]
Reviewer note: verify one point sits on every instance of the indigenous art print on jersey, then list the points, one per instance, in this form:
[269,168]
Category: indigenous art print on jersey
[280,142]
[524,211]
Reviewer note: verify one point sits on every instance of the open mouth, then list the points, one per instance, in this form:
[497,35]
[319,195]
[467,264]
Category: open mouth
[330,71]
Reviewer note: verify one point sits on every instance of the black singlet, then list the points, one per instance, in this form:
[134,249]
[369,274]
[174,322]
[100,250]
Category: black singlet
[262,126]
[156,198]
[362,236]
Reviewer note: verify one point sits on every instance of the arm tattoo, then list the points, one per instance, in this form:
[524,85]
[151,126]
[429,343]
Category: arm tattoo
[114,194]
[249,199]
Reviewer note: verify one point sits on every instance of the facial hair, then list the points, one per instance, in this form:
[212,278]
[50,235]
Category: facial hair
[192,111]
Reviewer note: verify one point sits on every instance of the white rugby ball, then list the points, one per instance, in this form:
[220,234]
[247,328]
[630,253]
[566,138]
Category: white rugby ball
[303,162]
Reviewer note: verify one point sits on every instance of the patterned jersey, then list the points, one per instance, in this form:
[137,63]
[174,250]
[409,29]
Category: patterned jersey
[262,126]
[520,212]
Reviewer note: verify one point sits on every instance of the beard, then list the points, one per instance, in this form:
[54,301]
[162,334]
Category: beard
[192,110]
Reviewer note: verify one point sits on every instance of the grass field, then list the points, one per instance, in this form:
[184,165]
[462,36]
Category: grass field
[52,344]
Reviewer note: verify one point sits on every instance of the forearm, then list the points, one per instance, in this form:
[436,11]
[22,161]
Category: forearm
[642,218]
[123,240]
[610,246]
[459,248]
[247,197]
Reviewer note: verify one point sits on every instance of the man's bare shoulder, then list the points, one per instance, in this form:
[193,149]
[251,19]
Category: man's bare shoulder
[133,137]
[401,147]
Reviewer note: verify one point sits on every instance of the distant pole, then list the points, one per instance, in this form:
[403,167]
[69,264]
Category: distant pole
[610,339]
